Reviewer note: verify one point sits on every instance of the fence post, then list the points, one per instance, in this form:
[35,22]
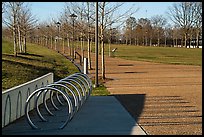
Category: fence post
[85,65]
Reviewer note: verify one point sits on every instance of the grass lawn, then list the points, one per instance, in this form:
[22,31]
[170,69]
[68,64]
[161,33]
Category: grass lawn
[168,55]
[37,62]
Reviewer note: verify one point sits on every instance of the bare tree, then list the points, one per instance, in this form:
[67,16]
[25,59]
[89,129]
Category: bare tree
[146,29]
[11,21]
[183,14]
[85,12]
[20,20]
[27,23]
[88,15]
[3,7]
[108,16]
[130,25]
[158,22]
[198,21]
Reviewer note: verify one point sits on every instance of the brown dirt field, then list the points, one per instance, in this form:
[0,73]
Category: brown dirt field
[163,99]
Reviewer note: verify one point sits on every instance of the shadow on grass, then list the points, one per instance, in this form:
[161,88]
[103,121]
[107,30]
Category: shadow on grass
[27,57]
[42,70]
[30,54]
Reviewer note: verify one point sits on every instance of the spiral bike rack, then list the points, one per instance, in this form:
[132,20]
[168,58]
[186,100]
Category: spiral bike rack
[75,90]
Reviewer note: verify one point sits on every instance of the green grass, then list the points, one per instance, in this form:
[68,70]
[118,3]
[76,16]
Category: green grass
[167,55]
[37,62]
[100,91]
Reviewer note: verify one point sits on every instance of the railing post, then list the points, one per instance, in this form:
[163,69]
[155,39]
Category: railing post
[85,65]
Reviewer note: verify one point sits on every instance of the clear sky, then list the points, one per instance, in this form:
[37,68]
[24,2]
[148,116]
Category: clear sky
[45,11]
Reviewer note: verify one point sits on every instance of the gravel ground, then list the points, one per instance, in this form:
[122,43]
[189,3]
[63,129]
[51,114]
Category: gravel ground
[163,99]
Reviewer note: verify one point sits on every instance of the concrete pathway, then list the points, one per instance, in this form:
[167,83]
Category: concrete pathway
[100,115]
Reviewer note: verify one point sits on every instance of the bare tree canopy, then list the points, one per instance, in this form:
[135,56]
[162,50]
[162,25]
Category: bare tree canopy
[18,17]
[185,15]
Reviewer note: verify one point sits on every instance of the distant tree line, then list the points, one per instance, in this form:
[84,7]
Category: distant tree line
[186,30]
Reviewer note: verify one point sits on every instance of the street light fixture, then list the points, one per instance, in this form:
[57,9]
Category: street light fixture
[58,25]
[73,17]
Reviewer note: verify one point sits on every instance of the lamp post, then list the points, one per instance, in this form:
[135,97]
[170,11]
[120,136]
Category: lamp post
[73,17]
[58,25]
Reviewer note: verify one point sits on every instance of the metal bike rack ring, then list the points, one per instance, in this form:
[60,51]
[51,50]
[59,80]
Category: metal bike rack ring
[87,79]
[75,89]
[85,84]
[82,85]
[76,101]
[69,103]
[76,82]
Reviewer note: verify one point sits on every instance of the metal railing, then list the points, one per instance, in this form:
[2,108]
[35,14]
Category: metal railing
[74,89]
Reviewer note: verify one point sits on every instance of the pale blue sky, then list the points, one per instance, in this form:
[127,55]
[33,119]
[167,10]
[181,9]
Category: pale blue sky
[45,11]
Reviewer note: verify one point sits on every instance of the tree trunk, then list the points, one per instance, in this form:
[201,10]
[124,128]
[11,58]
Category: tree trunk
[158,42]
[56,44]
[165,42]
[68,44]
[63,46]
[102,59]
[89,52]
[82,48]
[185,40]
[197,39]
[143,40]
[24,44]
[14,42]
[176,42]
[19,39]
[51,41]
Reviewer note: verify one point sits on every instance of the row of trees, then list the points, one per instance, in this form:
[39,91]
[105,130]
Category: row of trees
[187,18]
[19,21]
[22,26]
[82,30]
